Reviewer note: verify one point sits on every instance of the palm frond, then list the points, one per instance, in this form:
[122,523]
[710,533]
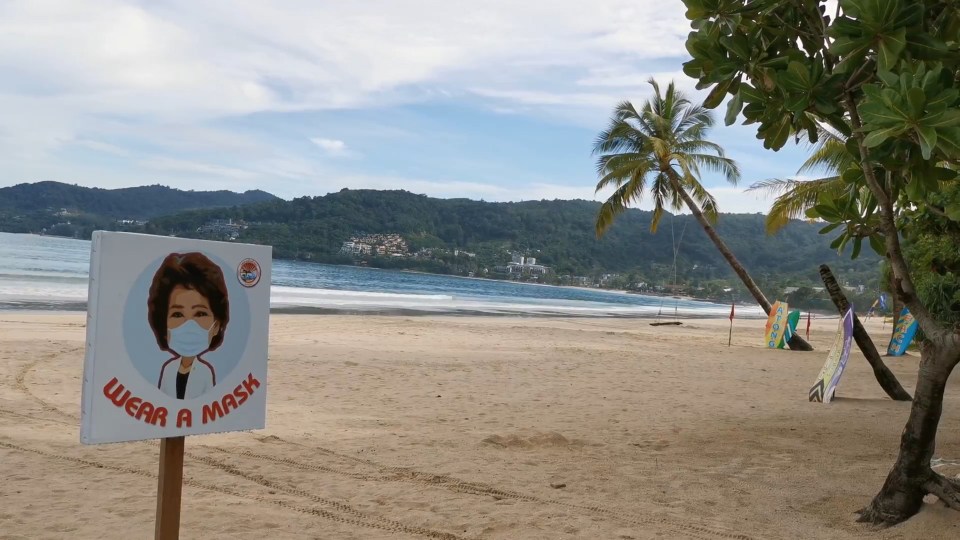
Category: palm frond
[720,164]
[794,197]
[703,198]
[618,202]
[664,136]
[830,155]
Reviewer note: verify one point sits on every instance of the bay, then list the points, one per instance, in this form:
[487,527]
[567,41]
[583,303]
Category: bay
[45,272]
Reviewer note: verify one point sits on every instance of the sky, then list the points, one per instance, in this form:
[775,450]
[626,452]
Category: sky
[496,100]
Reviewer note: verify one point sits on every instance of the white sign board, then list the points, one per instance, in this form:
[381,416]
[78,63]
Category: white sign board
[176,338]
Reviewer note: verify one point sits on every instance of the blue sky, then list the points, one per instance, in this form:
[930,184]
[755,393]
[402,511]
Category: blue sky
[496,100]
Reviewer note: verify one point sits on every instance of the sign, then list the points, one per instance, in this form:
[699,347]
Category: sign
[903,334]
[776,324]
[825,387]
[176,338]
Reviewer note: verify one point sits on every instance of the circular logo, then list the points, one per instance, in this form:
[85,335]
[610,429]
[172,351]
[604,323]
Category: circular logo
[248,272]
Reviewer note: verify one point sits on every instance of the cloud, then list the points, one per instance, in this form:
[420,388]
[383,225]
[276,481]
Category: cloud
[218,92]
[196,167]
[183,59]
[332,147]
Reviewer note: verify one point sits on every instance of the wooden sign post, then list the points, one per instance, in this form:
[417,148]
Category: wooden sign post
[177,333]
[732,310]
[169,488]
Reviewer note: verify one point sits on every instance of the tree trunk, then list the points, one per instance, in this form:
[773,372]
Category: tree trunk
[912,477]
[888,381]
[796,343]
[895,305]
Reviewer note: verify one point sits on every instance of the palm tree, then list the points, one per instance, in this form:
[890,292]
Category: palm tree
[794,197]
[660,150]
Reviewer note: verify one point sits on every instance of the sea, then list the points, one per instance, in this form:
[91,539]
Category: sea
[50,273]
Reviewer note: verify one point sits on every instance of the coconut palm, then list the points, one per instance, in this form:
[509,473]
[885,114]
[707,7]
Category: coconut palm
[794,197]
[659,151]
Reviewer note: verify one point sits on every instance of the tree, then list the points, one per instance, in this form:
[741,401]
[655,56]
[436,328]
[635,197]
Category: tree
[659,150]
[800,197]
[886,75]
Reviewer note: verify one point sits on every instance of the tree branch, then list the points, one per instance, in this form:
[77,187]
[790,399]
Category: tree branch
[898,262]
[947,490]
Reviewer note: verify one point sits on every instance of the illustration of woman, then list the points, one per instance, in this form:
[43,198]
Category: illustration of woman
[188,309]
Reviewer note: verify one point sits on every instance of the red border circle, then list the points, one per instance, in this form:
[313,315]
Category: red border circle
[248,283]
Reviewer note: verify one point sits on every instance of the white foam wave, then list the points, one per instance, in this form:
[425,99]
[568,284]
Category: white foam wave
[284,297]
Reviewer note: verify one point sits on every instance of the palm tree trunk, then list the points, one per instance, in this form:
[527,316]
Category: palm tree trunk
[888,381]
[796,343]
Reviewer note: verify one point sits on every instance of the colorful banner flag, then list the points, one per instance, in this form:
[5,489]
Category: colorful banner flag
[902,334]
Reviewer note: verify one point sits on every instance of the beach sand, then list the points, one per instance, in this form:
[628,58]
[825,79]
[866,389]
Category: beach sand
[495,427]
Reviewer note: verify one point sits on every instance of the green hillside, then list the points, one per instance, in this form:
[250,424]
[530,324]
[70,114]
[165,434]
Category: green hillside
[67,209]
[559,233]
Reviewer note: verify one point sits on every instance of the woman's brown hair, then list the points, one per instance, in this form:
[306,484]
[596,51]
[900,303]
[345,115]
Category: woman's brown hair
[191,271]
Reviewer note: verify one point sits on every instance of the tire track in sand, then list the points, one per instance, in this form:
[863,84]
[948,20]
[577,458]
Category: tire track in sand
[403,474]
[385,523]
[353,517]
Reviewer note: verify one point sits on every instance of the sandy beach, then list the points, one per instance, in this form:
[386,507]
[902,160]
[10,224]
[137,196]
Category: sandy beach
[481,427]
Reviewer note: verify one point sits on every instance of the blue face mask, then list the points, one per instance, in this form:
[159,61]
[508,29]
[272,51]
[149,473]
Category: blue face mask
[189,339]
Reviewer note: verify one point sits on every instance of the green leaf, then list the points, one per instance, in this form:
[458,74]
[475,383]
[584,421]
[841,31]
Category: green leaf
[715,97]
[738,44]
[826,212]
[941,119]
[890,48]
[888,78]
[777,62]
[943,99]
[829,228]
[751,94]
[845,26]
[857,246]
[878,245]
[796,103]
[877,137]
[928,140]
[916,99]
[916,190]
[926,47]
[779,135]
[733,109]
[953,211]
[796,79]
[949,141]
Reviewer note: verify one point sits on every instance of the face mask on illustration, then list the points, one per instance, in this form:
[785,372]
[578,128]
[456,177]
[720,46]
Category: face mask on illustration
[189,339]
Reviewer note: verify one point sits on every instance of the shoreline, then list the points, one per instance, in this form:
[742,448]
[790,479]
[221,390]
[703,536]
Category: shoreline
[80,308]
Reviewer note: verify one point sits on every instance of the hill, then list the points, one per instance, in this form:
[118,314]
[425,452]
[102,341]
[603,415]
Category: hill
[43,205]
[133,203]
[558,233]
